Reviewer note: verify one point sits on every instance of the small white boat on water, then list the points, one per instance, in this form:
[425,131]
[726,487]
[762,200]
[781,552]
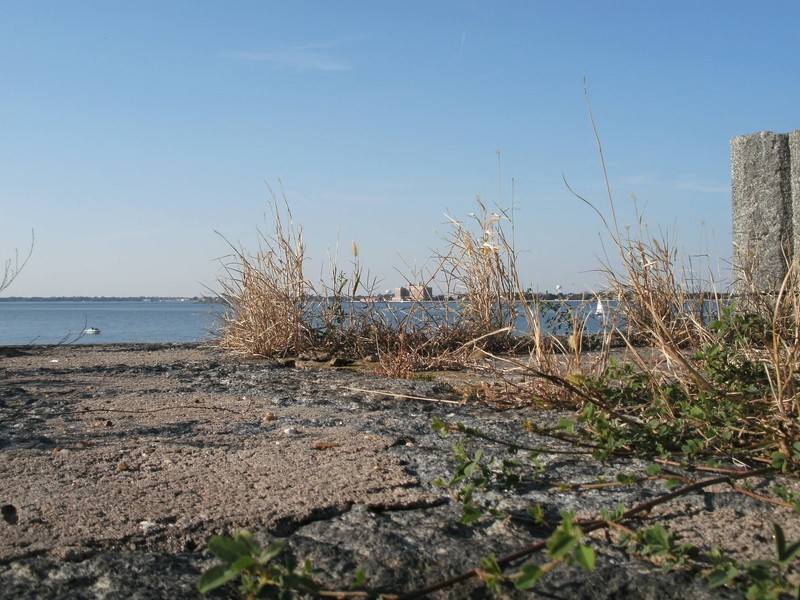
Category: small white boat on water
[91,331]
[599,311]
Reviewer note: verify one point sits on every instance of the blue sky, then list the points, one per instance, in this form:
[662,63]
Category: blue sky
[131,131]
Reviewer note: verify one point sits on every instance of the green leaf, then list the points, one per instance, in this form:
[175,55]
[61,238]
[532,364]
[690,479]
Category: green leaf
[227,549]
[657,539]
[780,540]
[471,514]
[530,573]
[360,579]
[584,556]
[492,574]
[242,563]
[489,564]
[791,552]
[536,512]
[561,542]
[273,550]
[215,577]
[697,412]
[785,553]
[565,425]
[719,577]
[613,515]
[626,478]
[653,469]
[779,461]
[470,468]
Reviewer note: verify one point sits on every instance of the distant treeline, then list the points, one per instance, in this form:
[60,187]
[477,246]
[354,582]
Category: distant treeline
[202,299]
[606,296]
[531,296]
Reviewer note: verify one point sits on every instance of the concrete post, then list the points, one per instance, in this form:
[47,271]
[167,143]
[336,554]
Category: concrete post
[763,213]
[794,182]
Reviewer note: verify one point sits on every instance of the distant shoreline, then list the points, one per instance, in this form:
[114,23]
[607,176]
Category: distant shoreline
[198,299]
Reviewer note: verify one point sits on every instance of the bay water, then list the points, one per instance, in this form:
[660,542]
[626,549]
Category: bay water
[52,322]
[134,321]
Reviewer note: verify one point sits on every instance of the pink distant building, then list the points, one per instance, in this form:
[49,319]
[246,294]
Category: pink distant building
[413,293]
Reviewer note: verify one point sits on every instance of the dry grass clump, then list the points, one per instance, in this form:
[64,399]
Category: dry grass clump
[277,311]
[482,296]
[479,268]
[766,334]
[722,386]
[712,378]
[659,301]
[704,385]
[268,294]
[698,376]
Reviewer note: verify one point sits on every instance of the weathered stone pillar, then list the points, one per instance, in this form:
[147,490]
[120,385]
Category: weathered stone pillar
[794,181]
[763,213]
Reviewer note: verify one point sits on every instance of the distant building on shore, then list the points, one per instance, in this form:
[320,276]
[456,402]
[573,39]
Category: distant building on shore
[413,293]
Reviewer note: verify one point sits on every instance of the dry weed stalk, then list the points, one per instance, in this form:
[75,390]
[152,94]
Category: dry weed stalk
[479,268]
[13,268]
[268,293]
[345,323]
[708,392]
[774,342]
[655,304]
[785,347]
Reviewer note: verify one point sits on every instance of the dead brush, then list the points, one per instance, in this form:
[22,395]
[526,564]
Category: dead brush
[658,300]
[651,289]
[402,354]
[709,386]
[477,272]
[418,339]
[345,322]
[768,336]
[268,293]
[276,311]
[479,269]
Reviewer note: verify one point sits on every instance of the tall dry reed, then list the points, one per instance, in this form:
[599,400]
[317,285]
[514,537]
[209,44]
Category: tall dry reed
[268,293]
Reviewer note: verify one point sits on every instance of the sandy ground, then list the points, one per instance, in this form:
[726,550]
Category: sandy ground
[153,448]
[131,446]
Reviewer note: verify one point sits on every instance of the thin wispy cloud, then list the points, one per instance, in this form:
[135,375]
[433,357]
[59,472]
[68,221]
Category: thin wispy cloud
[355,199]
[133,234]
[314,57]
[705,188]
[684,185]
[641,179]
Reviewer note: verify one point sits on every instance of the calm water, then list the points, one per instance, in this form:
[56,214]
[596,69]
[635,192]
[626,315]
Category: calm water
[52,322]
[174,321]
